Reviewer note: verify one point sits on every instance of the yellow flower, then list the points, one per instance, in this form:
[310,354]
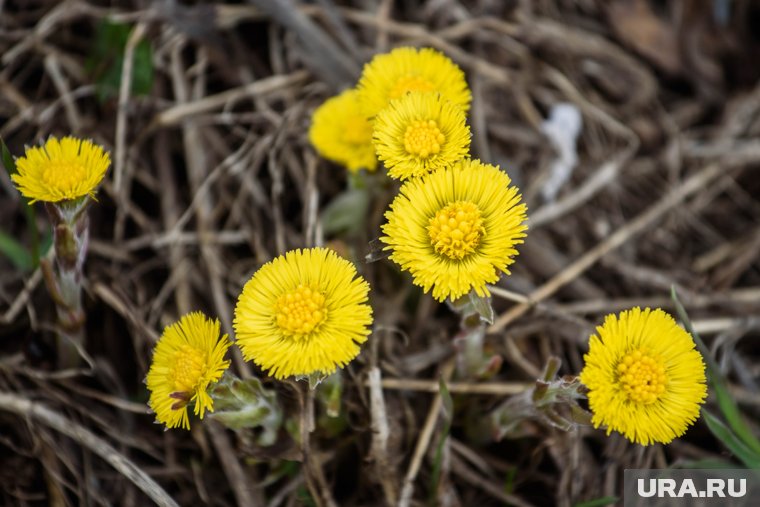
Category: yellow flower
[61,170]
[304,312]
[341,133]
[188,357]
[419,133]
[645,378]
[392,75]
[456,229]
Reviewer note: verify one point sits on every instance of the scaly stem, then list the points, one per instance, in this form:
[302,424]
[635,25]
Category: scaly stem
[473,361]
[552,400]
[245,403]
[64,279]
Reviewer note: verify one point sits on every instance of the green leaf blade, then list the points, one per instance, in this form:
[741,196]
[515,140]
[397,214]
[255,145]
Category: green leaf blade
[8,162]
[598,502]
[750,458]
[106,60]
[16,253]
[726,403]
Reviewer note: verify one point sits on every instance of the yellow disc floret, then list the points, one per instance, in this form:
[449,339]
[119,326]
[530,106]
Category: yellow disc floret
[423,138]
[188,368]
[642,376]
[299,311]
[358,132]
[456,229]
[63,175]
[410,83]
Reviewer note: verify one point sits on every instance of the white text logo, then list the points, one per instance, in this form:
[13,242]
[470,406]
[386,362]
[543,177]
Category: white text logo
[670,488]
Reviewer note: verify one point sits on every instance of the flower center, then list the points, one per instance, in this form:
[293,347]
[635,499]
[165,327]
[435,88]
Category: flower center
[642,376]
[188,368]
[423,138]
[358,130]
[456,230]
[300,311]
[63,175]
[410,83]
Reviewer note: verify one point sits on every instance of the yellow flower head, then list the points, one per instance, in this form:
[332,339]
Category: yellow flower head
[645,378]
[188,357]
[392,75]
[61,170]
[419,133]
[304,312]
[456,229]
[341,133]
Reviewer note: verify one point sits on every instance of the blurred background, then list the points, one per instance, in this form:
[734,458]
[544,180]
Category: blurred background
[631,126]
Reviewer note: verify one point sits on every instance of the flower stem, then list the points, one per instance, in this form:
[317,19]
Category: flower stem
[64,278]
[473,360]
[245,403]
[315,477]
[552,400]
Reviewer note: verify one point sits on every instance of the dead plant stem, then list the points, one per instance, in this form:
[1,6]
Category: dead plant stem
[672,199]
[40,413]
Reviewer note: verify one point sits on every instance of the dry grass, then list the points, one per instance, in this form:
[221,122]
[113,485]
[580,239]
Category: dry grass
[213,176]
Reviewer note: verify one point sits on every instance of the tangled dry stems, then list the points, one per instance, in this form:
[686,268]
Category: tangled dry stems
[213,176]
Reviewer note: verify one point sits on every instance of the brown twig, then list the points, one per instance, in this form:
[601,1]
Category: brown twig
[120,187]
[407,489]
[324,57]
[36,411]
[432,386]
[634,227]
[380,435]
[245,493]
